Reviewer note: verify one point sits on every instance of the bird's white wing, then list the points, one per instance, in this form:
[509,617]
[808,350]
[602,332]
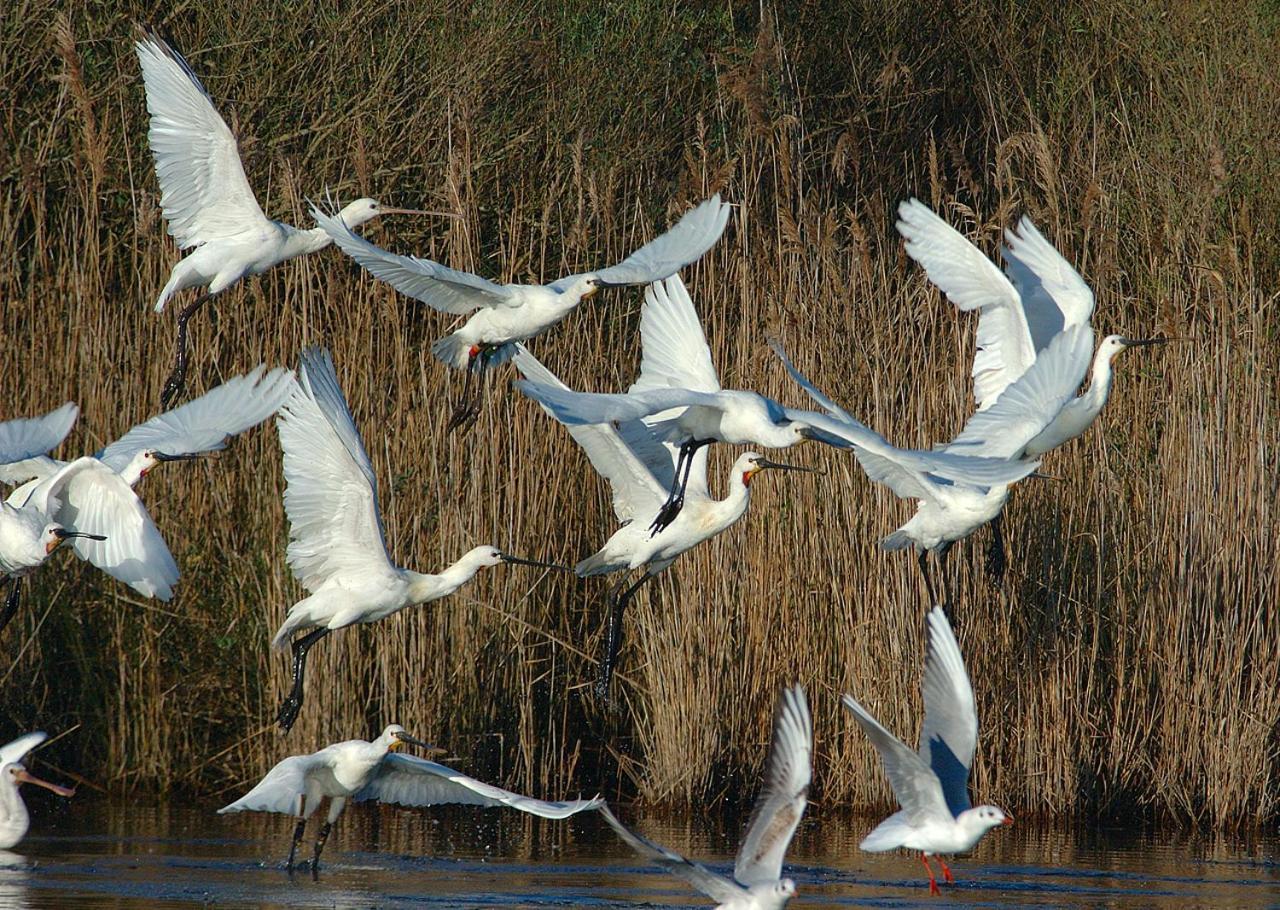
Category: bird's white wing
[578,408]
[674,351]
[281,790]
[39,467]
[914,784]
[819,397]
[782,800]
[684,243]
[440,288]
[971,281]
[17,750]
[27,437]
[88,496]
[1054,296]
[639,468]
[1029,405]
[205,423]
[949,736]
[411,781]
[203,191]
[331,492]
[714,886]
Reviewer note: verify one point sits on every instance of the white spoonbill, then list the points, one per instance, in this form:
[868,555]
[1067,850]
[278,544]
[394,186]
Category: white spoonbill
[27,437]
[509,313]
[359,770]
[952,509]
[14,820]
[337,549]
[206,198]
[641,470]
[757,882]
[932,785]
[1021,311]
[201,425]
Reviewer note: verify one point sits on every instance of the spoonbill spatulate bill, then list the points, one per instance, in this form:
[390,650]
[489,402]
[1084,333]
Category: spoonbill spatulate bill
[502,314]
[206,198]
[337,548]
[932,785]
[950,510]
[356,770]
[641,470]
[757,882]
[14,819]
[1021,311]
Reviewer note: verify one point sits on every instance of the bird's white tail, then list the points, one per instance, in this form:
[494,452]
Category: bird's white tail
[171,287]
[888,835]
[297,619]
[455,351]
[595,564]
[898,540]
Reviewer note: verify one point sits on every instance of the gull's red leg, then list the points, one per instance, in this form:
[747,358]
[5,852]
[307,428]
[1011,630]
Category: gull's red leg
[946,872]
[933,882]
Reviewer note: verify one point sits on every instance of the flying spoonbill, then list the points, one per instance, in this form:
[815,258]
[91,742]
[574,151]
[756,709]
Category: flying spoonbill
[757,882]
[337,549]
[932,785]
[359,770]
[641,470]
[14,820]
[508,313]
[206,198]
[952,509]
[1021,311]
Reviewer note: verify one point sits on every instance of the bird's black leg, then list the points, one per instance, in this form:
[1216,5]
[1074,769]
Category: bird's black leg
[292,704]
[297,839]
[177,381]
[11,602]
[943,551]
[315,860]
[679,482]
[922,560]
[464,411]
[995,553]
[613,635]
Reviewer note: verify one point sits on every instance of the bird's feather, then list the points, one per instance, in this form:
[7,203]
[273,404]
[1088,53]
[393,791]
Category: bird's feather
[714,886]
[949,736]
[684,243]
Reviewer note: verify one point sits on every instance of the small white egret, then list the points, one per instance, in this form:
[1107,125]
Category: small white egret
[954,506]
[932,785]
[641,470]
[1020,312]
[508,313]
[337,549]
[206,198]
[757,882]
[14,820]
[359,770]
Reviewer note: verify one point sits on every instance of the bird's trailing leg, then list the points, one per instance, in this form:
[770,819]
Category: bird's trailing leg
[679,481]
[11,602]
[618,601]
[922,560]
[468,406]
[177,381]
[995,553]
[933,882]
[315,860]
[297,839]
[946,871]
[943,552]
[292,704]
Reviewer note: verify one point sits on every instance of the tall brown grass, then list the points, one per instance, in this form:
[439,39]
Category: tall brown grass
[1129,663]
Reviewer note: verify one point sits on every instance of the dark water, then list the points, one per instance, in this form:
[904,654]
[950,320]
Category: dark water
[86,854]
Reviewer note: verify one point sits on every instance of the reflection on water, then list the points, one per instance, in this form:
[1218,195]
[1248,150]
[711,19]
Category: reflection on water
[84,854]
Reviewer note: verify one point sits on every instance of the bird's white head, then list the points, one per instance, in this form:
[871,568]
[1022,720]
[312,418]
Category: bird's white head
[784,890]
[981,819]
[15,774]
[1114,344]
[749,464]
[394,737]
[145,461]
[364,210]
[54,534]
[482,557]
[577,287]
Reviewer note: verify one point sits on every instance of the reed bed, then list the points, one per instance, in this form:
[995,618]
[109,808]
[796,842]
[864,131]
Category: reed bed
[1129,663]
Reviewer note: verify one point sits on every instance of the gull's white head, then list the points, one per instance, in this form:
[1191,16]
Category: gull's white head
[981,819]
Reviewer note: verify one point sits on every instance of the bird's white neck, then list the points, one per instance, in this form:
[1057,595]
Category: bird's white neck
[1100,376]
[133,471]
[13,814]
[300,242]
[423,588]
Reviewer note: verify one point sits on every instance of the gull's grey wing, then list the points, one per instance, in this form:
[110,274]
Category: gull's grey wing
[914,783]
[684,243]
[949,735]
[716,887]
[783,798]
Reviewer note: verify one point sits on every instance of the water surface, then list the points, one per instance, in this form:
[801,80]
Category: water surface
[86,854]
